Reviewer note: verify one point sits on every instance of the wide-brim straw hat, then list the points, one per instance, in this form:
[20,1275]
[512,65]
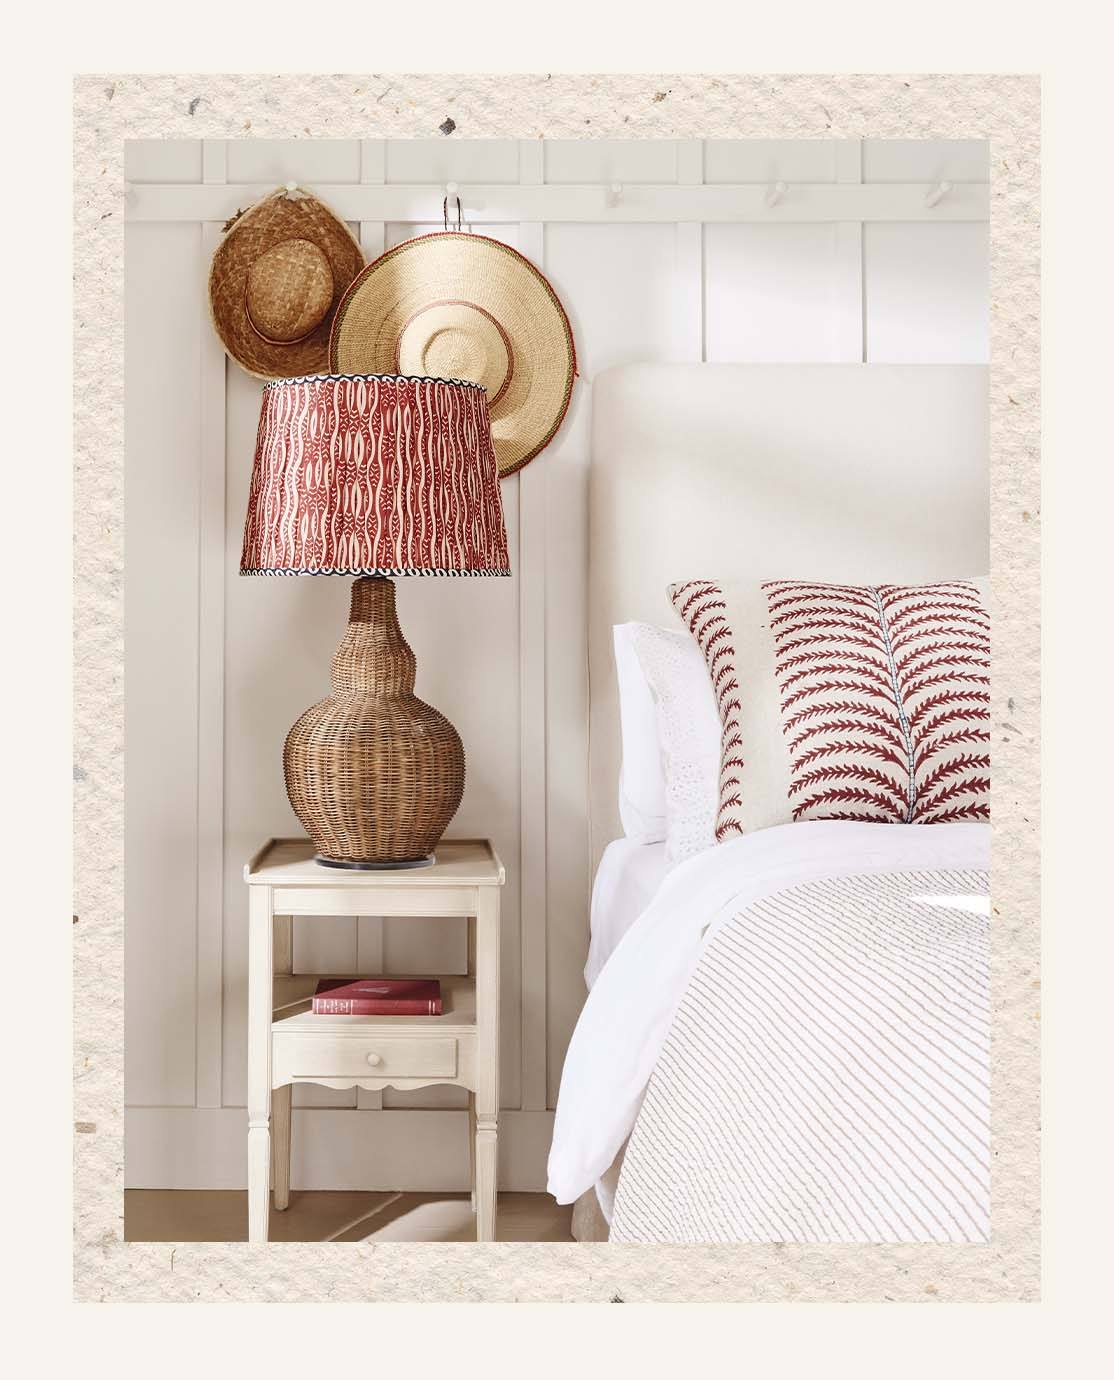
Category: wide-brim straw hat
[276,280]
[462,306]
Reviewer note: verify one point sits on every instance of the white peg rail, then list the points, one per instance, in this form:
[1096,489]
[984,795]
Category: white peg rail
[807,202]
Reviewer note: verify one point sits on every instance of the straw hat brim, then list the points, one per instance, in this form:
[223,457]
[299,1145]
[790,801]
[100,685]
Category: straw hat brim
[448,279]
[275,219]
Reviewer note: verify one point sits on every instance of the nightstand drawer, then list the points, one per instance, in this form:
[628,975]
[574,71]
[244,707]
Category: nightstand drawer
[329,1055]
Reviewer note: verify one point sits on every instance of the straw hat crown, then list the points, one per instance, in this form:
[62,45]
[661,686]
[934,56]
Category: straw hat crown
[289,290]
[276,280]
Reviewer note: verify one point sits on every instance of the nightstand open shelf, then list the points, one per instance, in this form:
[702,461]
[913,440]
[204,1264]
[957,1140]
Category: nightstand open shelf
[294,993]
[288,1044]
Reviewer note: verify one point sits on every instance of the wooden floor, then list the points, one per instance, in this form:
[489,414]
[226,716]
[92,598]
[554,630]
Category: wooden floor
[211,1215]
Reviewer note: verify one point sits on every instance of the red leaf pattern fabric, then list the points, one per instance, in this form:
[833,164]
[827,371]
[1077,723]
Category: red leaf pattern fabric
[880,700]
[704,612]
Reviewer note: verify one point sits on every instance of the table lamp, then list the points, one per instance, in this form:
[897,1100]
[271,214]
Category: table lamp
[374,476]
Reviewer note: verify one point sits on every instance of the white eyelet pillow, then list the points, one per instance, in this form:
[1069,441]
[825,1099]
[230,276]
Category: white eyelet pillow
[688,732]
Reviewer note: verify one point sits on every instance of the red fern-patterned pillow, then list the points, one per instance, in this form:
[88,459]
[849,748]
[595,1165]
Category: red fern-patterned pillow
[868,702]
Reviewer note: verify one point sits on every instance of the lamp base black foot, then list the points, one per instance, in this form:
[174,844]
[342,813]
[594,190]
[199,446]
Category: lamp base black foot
[398,866]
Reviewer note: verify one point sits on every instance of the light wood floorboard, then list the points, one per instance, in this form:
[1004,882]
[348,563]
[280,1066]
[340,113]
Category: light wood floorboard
[217,1215]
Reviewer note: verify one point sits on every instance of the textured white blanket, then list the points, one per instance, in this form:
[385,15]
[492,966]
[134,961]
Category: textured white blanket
[630,1010]
[825,1077]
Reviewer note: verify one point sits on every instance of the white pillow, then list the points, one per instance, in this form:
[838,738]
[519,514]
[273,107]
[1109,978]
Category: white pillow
[641,779]
[688,734]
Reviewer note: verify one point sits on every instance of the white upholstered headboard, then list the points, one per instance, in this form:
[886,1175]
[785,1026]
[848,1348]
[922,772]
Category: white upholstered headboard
[856,472]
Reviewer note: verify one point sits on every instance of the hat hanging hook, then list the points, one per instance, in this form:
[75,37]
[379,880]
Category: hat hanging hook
[451,191]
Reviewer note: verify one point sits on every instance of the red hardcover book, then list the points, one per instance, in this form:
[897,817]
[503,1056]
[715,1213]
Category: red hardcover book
[377,997]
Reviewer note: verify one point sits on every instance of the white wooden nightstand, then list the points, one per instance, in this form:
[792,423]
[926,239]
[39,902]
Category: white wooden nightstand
[287,1044]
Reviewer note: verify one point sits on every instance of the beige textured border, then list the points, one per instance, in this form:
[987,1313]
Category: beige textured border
[108,110]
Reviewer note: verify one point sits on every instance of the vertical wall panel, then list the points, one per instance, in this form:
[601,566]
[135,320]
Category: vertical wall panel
[927,293]
[848,345]
[533,540]
[564,464]
[270,677]
[210,674]
[688,274]
[162,323]
[772,293]
[566,743]
[617,285]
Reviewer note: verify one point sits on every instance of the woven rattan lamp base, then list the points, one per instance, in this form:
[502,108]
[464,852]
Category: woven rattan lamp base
[373,774]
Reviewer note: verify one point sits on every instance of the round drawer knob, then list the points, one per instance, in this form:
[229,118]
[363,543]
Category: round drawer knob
[374,1059]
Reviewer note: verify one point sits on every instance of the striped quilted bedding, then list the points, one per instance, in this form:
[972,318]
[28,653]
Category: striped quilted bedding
[825,1077]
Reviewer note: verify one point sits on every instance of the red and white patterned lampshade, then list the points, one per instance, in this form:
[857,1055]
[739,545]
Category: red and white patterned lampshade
[374,475]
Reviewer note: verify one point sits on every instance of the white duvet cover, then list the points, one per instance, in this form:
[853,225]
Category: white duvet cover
[629,1012]
[628,876]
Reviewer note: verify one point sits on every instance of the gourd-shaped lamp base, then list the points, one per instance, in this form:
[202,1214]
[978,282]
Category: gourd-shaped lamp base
[373,774]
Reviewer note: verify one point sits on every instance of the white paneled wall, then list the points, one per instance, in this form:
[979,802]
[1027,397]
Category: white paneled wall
[920,317]
[660,250]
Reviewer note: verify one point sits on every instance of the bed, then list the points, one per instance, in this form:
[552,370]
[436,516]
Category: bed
[674,1122]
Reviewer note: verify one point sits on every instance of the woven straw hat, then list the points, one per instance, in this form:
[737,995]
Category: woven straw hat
[275,281]
[461,306]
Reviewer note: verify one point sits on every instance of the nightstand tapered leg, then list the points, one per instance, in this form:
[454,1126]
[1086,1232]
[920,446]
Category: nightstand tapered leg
[259,1060]
[283,962]
[486,1156]
[472,1146]
[280,1143]
[486,1100]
